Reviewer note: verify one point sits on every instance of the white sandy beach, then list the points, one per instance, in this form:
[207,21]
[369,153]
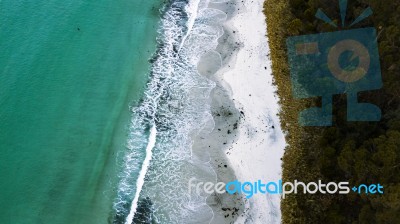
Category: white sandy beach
[257,154]
[249,133]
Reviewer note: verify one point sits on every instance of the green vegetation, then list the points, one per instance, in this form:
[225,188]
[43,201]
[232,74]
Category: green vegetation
[359,152]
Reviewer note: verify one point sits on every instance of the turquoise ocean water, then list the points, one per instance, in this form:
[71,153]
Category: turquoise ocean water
[68,71]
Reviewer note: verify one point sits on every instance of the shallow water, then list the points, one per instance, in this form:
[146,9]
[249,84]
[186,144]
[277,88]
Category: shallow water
[176,103]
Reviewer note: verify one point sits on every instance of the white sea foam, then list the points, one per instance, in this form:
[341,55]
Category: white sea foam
[176,104]
[145,166]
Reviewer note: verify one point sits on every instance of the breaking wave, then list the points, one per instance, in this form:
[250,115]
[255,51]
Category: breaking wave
[158,161]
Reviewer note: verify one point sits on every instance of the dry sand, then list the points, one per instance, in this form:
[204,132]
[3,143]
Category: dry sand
[246,143]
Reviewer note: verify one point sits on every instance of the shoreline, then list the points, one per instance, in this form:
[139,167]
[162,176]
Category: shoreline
[246,143]
[226,208]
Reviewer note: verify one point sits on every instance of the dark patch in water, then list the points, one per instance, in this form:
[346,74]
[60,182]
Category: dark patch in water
[144,212]
[143,215]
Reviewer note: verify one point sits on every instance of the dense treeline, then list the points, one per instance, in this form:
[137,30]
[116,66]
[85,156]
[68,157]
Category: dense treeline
[358,152]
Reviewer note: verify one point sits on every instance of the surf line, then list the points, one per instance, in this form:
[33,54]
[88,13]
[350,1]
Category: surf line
[191,7]
[145,167]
